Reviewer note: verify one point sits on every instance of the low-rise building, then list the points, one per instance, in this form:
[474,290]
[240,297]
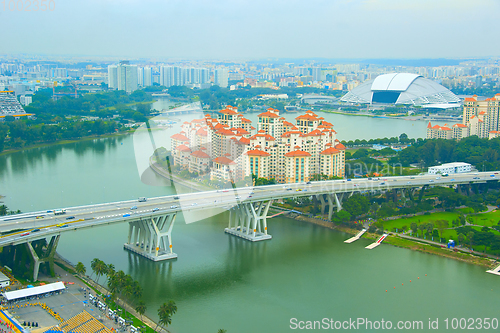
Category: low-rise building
[449,168]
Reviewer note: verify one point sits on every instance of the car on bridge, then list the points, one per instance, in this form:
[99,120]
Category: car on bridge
[173,207]
[35,230]
[70,218]
[133,207]
[142,199]
[156,209]
[126,215]
[40,217]
[24,234]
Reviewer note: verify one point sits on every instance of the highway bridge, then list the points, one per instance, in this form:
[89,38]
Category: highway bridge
[151,220]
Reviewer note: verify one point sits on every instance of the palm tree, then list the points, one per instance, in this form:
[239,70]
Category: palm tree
[101,269]
[80,268]
[93,265]
[137,290]
[3,210]
[141,308]
[165,313]
[171,307]
[110,270]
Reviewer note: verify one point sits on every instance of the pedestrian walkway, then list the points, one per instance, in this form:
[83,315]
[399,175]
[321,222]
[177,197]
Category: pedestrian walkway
[355,238]
[495,270]
[377,243]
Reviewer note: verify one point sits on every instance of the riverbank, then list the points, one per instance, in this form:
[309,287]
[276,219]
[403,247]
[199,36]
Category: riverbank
[411,244]
[62,142]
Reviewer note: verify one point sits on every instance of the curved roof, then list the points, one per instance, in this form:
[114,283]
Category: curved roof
[400,88]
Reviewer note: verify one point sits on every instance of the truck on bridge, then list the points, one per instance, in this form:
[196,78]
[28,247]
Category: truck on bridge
[59,211]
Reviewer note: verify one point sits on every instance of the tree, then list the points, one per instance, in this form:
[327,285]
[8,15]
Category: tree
[110,270]
[429,227]
[165,313]
[141,308]
[80,268]
[441,225]
[461,238]
[221,331]
[93,265]
[421,227]
[3,210]
[414,228]
[357,205]
[341,217]
[470,238]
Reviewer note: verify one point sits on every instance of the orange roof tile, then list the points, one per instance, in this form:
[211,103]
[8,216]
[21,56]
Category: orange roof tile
[297,153]
[179,137]
[244,141]
[183,148]
[269,114]
[307,117]
[227,111]
[224,160]
[201,132]
[330,151]
[257,152]
[315,133]
[200,154]
[242,131]
[340,146]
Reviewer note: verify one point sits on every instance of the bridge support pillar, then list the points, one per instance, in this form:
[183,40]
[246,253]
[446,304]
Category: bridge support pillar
[47,256]
[331,198]
[249,221]
[333,201]
[152,237]
[323,203]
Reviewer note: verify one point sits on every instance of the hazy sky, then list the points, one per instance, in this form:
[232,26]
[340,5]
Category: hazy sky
[249,29]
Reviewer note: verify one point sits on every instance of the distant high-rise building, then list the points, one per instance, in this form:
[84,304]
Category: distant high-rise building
[316,73]
[112,77]
[221,77]
[140,76]
[59,72]
[179,76]
[148,77]
[123,77]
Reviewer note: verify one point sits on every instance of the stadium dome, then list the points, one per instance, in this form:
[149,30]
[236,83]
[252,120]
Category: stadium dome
[402,88]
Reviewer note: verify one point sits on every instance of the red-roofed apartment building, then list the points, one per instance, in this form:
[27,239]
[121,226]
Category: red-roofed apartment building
[480,117]
[232,149]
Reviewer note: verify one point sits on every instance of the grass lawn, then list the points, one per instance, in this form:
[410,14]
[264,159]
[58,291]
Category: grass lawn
[399,223]
[487,219]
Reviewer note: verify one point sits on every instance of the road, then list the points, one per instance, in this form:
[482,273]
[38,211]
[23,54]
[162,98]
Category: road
[20,228]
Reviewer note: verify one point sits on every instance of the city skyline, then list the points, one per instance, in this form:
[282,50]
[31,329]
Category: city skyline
[242,30]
